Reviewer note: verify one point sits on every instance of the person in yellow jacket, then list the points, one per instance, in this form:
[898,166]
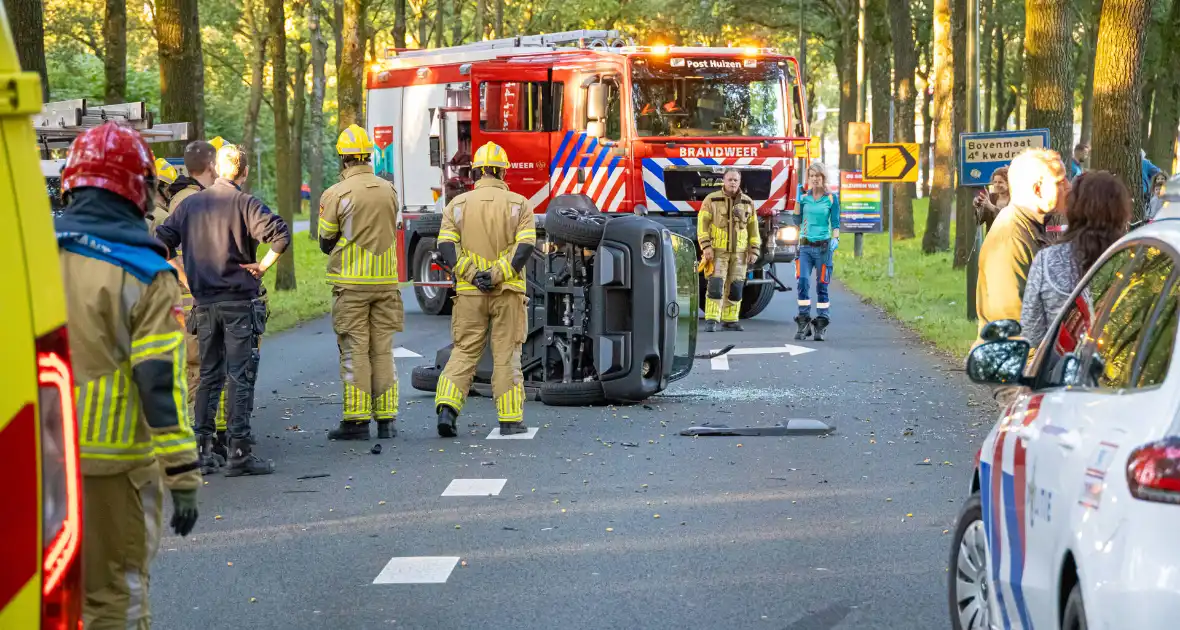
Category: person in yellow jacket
[166,175]
[128,352]
[358,231]
[727,230]
[487,237]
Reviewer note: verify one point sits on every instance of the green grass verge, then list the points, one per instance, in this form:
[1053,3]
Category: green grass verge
[925,293]
[312,296]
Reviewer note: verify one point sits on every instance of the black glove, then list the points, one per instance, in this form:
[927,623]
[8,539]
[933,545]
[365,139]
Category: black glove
[184,511]
[483,281]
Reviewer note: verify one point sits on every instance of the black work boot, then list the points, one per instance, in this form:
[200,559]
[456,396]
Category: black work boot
[733,326]
[447,418]
[242,460]
[350,431]
[221,448]
[804,322]
[512,428]
[386,430]
[821,326]
[205,456]
[710,326]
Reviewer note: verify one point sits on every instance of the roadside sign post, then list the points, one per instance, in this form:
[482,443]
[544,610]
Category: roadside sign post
[889,162]
[859,135]
[889,192]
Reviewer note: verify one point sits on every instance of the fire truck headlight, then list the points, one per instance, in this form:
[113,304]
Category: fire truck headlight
[788,233]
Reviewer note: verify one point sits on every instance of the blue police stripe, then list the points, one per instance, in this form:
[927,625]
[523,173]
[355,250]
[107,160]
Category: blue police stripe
[655,197]
[560,151]
[991,534]
[1015,534]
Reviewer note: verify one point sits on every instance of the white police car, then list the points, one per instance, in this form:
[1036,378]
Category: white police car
[1074,516]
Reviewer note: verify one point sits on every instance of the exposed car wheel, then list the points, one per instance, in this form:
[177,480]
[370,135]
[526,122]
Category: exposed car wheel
[575,220]
[425,378]
[1075,611]
[755,299]
[969,584]
[575,394]
[432,300]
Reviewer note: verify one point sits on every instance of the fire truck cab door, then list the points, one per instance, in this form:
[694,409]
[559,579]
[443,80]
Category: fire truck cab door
[516,109]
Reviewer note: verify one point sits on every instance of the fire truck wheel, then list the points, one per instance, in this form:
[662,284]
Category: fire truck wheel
[425,378]
[433,300]
[755,299]
[575,394]
[575,220]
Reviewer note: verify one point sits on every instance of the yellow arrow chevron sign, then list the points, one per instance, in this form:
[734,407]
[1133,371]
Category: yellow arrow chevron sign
[891,162]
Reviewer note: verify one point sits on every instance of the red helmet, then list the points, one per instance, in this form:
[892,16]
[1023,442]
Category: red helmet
[113,158]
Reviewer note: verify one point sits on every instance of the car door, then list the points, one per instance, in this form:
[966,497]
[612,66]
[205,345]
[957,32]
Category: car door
[515,107]
[1090,362]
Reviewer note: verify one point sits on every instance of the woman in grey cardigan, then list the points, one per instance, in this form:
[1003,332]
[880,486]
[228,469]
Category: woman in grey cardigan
[1098,214]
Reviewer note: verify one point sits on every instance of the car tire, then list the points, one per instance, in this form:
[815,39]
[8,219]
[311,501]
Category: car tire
[755,299]
[574,219]
[425,378]
[432,300]
[1074,617]
[575,394]
[968,582]
[429,224]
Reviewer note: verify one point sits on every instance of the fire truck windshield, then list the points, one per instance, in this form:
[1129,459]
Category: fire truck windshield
[708,97]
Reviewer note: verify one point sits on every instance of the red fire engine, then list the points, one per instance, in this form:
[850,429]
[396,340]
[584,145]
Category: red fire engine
[638,129]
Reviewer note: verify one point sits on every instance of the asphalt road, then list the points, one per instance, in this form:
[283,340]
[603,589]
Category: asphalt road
[800,533]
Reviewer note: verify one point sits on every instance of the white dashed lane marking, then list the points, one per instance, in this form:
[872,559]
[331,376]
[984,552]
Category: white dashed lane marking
[474,487]
[495,435]
[722,362]
[417,570]
[405,353]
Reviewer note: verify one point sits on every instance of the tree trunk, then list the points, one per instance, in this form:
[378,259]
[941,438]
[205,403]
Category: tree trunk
[927,123]
[399,23]
[351,74]
[285,275]
[182,69]
[338,32]
[481,19]
[1165,119]
[257,85]
[499,19]
[25,18]
[846,58]
[1049,77]
[905,58]
[1088,49]
[298,117]
[440,21]
[999,93]
[423,28]
[942,193]
[1147,97]
[880,68]
[114,48]
[319,55]
[987,53]
[1118,82]
[456,22]
[964,213]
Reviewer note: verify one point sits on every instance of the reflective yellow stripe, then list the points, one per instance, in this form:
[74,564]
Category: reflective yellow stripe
[712,309]
[510,405]
[529,233]
[447,394]
[360,266]
[447,236]
[730,313]
[358,405]
[327,227]
[156,344]
[385,407]
[172,443]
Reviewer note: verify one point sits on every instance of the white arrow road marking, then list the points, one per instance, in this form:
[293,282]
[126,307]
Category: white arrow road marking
[722,362]
[405,353]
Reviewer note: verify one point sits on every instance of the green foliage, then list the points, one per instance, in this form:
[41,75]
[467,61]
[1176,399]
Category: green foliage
[311,299]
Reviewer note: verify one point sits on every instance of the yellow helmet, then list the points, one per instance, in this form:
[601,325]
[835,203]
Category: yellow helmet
[354,141]
[217,143]
[490,154]
[165,172]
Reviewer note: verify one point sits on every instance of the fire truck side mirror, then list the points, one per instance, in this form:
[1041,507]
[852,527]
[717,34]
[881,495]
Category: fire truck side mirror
[596,102]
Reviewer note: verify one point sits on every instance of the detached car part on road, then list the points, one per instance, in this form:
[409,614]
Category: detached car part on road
[612,313]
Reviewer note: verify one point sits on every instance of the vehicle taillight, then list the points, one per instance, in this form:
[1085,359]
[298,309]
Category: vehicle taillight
[1153,471]
[61,488]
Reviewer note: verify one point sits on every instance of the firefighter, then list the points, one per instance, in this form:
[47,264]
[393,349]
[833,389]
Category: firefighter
[127,346]
[727,230]
[165,176]
[357,229]
[487,236]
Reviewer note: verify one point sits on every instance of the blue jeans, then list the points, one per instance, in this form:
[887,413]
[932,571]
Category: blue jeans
[817,260]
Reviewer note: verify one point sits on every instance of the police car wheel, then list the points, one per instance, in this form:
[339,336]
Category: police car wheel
[1075,611]
[969,585]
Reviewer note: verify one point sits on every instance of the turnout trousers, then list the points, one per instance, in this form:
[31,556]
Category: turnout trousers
[505,318]
[365,320]
[121,521]
[723,293]
[816,260]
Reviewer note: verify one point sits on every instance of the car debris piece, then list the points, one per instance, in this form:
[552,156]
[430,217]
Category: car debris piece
[794,426]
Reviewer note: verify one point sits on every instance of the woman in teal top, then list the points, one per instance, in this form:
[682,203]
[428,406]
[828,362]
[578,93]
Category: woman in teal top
[819,236]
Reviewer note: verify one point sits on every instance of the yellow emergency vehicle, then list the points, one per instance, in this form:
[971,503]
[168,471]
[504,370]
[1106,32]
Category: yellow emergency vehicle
[40,576]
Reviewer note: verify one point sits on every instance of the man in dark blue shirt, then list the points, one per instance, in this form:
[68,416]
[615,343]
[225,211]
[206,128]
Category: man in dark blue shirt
[219,230]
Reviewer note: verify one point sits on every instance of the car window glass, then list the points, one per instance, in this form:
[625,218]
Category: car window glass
[1161,337]
[1074,327]
[1110,358]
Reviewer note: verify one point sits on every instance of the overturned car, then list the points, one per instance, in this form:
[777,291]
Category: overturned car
[612,313]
